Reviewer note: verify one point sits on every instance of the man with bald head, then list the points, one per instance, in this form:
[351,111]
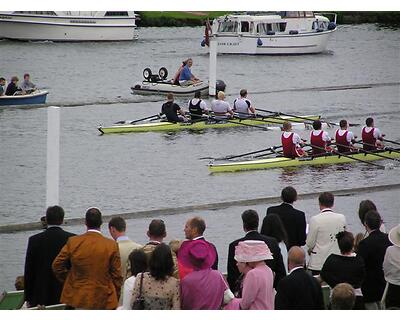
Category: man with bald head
[194,230]
[298,290]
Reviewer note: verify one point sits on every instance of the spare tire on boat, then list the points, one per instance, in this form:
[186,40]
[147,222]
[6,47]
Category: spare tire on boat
[147,73]
[163,73]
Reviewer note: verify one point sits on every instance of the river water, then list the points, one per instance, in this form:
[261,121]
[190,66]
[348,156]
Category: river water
[131,172]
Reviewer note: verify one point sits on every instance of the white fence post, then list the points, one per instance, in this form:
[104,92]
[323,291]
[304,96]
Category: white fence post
[213,65]
[53,156]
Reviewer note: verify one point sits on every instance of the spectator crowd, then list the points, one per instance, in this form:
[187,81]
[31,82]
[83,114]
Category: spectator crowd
[266,269]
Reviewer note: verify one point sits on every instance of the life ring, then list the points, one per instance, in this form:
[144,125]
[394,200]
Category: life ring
[163,73]
[147,73]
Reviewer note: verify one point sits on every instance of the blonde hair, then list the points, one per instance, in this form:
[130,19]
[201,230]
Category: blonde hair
[221,95]
[286,125]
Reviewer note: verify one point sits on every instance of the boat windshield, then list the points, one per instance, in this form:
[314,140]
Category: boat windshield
[228,26]
[116,14]
[297,14]
[264,28]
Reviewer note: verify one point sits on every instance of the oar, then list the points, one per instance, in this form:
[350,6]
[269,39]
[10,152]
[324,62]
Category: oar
[347,156]
[258,119]
[240,123]
[134,121]
[371,145]
[304,118]
[367,152]
[241,155]
[391,141]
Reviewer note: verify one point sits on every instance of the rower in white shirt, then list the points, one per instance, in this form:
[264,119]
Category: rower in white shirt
[221,108]
[243,106]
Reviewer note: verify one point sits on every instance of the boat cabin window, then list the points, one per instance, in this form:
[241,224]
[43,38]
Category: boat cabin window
[264,28]
[116,14]
[47,13]
[309,14]
[244,26]
[228,26]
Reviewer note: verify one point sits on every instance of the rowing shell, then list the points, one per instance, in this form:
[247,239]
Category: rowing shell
[201,125]
[281,162]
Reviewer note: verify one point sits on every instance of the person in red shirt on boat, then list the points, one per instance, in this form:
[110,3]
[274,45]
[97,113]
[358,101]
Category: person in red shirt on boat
[291,142]
[371,137]
[319,139]
[344,138]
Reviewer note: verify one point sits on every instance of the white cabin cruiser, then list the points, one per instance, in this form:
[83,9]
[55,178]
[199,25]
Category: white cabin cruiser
[68,25]
[285,32]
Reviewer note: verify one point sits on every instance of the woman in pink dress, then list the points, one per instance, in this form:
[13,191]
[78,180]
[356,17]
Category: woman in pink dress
[258,292]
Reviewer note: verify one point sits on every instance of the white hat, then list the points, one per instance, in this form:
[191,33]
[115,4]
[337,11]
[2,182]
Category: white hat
[252,251]
[394,235]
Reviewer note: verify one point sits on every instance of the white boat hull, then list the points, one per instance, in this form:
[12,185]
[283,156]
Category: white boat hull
[152,88]
[67,28]
[304,43]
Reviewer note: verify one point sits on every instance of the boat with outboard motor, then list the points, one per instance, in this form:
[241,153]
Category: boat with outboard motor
[284,32]
[162,125]
[35,97]
[281,162]
[159,84]
[68,25]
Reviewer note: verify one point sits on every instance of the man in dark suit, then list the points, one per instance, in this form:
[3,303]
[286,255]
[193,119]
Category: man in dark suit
[372,249]
[298,290]
[250,226]
[41,286]
[293,220]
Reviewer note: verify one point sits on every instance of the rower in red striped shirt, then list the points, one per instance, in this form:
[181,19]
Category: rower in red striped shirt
[372,137]
[291,142]
[344,138]
[319,139]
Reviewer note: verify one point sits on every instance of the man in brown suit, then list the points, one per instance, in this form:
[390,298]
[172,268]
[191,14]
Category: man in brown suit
[90,267]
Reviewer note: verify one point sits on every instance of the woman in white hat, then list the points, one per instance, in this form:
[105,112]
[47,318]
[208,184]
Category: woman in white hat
[258,292]
[391,269]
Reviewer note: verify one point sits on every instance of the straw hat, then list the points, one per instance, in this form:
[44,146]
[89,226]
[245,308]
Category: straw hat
[252,251]
[197,254]
[394,235]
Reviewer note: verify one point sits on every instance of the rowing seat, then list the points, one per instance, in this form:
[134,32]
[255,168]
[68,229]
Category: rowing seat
[11,300]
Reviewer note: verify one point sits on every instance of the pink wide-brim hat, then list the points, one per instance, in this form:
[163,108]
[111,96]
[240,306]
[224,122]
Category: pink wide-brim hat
[252,251]
[197,254]
[394,236]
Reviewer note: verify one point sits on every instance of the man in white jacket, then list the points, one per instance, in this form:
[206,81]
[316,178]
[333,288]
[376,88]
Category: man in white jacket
[323,227]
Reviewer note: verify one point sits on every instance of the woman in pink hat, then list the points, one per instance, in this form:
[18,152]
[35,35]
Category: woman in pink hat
[258,292]
[203,288]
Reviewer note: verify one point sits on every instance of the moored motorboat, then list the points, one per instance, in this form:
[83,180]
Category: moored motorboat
[284,32]
[36,97]
[281,162]
[201,125]
[68,25]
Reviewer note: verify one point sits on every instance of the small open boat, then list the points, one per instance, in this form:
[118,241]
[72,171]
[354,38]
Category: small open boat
[280,162]
[201,125]
[146,87]
[36,97]
[158,84]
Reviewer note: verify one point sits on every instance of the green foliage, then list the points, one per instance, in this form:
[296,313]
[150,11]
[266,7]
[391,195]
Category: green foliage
[191,19]
[175,18]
